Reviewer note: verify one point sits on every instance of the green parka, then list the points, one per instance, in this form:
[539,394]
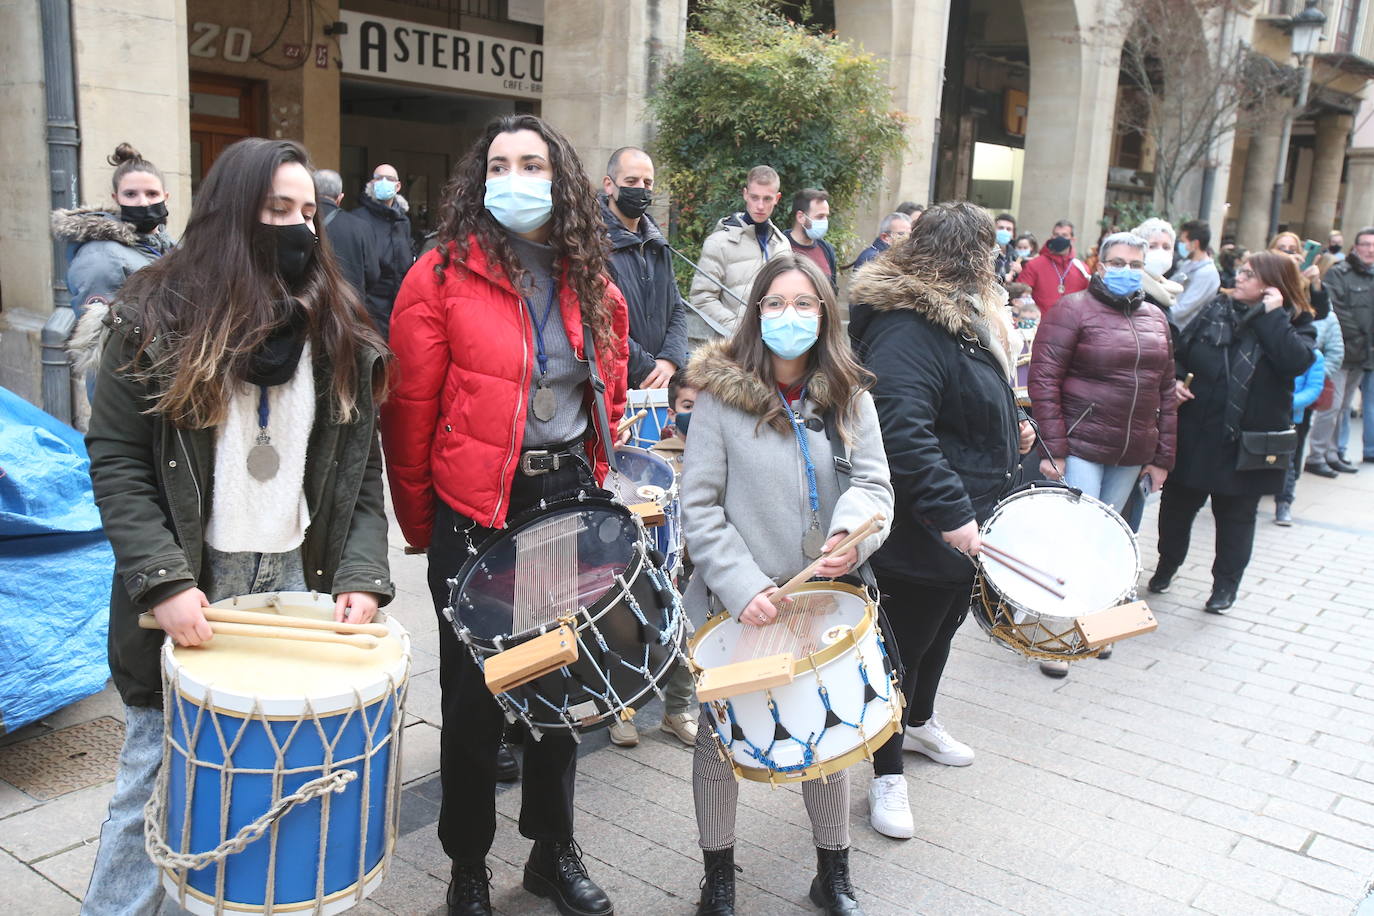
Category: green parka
[152,483]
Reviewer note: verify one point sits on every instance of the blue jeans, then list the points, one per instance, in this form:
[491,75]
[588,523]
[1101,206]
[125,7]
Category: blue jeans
[1106,482]
[1366,413]
[124,881]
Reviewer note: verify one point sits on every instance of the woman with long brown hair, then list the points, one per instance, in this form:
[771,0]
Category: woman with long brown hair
[1235,421]
[233,450]
[492,414]
[761,496]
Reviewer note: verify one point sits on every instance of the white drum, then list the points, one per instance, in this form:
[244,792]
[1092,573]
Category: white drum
[1052,533]
[842,702]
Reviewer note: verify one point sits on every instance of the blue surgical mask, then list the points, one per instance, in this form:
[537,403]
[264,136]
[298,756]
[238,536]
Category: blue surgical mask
[383,188]
[1182,248]
[1003,237]
[1121,281]
[520,204]
[817,230]
[789,335]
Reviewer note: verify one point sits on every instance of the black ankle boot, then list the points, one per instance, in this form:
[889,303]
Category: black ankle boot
[718,886]
[831,889]
[507,767]
[469,889]
[555,871]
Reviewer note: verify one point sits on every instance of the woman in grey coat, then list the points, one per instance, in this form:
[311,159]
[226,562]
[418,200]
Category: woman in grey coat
[753,519]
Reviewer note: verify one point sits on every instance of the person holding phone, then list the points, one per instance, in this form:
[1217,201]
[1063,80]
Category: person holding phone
[1304,256]
[1244,352]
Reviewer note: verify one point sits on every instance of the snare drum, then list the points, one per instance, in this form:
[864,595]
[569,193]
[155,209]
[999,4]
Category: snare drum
[280,778]
[644,477]
[1075,537]
[841,701]
[584,562]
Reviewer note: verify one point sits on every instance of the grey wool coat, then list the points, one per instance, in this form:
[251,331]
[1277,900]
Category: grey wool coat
[745,507]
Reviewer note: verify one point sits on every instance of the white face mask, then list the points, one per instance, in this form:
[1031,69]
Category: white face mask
[1158,260]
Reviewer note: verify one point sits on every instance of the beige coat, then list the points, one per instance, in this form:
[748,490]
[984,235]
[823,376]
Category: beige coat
[731,255]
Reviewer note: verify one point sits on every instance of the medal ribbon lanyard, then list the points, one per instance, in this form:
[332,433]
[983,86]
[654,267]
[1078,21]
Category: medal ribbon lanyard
[802,444]
[264,412]
[539,325]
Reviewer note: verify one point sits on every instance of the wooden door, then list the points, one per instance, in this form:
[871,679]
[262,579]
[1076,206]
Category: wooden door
[223,109]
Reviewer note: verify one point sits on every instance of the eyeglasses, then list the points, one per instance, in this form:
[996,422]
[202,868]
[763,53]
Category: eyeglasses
[773,306]
[1119,263]
[1245,273]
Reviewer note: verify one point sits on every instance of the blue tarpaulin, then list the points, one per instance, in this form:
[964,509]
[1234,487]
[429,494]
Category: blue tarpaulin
[55,568]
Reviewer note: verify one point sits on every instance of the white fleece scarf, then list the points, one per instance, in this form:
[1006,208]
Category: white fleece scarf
[263,516]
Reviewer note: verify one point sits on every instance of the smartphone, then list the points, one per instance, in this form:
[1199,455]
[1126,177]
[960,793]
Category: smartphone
[1310,251]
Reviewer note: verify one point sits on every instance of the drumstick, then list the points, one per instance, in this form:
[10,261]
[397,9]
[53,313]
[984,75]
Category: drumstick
[226,615]
[1188,382]
[1015,559]
[357,640]
[1025,575]
[627,422]
[869,527]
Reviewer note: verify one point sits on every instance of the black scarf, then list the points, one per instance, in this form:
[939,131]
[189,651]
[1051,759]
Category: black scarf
[1225,324]
[274,362]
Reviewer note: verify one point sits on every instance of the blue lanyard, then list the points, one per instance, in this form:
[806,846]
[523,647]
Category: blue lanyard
[263,410]
[805,452]
[539,325]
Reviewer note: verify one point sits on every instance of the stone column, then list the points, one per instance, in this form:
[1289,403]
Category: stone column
[1257,188]
[603,60]
[1358,209]
[1333,130]
[1075,65]
[910,38]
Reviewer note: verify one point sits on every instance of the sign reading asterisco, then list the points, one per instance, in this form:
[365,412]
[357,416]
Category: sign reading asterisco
[393,49]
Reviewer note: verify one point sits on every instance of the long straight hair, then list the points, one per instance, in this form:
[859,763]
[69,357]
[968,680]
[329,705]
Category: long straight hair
[577,236]
[830,357]
[214,299]
[1279,271]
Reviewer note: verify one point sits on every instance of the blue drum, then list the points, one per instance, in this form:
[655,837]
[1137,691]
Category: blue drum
[643,477]
[654,402]
[280,779]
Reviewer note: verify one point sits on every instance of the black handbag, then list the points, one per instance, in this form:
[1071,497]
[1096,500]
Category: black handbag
[1267,451]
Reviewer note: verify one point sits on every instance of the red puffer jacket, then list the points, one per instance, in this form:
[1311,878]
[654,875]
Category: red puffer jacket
[1102,380]
[455,418]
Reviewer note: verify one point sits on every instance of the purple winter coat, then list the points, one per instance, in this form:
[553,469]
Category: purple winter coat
[1102,380]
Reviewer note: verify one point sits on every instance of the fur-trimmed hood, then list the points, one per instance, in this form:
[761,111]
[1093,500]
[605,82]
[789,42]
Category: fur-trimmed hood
[712,370]
[884,287]
[92,224]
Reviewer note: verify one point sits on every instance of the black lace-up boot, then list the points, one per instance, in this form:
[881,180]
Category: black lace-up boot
[831,889]
[469,889]
[718,886]
[555,871]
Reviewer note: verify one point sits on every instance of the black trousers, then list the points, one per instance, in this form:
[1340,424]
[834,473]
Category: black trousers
[1235,521]
[473,723]
[923,619]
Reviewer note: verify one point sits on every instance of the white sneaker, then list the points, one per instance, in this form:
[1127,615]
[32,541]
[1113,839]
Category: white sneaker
[624,733]
[888,808]
[682,725]
[932,740]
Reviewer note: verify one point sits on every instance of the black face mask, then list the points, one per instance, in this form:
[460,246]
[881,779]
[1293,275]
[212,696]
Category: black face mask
[632,202]
[1058,244]
[289,248]
[146,218]
[1334,249]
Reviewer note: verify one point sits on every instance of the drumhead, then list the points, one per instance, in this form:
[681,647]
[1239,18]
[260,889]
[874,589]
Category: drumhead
[817,618]
[1077,538]
[548,563]
[242,670]
[640,468]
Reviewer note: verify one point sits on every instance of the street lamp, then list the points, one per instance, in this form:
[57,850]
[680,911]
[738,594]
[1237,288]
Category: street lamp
[1304,32]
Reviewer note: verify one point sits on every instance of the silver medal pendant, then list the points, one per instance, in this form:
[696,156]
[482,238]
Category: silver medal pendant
[544,405]
[812,542]
[263,460]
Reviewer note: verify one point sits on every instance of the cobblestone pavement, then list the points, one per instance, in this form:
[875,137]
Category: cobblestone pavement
[1219,765]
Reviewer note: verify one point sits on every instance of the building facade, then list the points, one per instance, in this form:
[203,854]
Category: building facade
[1011,103]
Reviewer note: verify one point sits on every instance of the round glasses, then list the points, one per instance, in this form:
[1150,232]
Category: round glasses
[773,306]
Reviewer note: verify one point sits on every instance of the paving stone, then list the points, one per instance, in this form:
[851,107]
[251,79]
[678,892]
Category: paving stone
[57,825]
[12,801]
[1304,869]
[1225,901]
[70,870]
[419,752]
[28,892]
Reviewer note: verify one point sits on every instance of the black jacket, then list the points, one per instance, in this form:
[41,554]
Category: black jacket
[351,239]
[390,228]
[642,267]
[1206,456]
[1350,285]
[869,253]
[948,416]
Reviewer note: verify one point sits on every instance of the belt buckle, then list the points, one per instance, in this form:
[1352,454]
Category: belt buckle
[529,470]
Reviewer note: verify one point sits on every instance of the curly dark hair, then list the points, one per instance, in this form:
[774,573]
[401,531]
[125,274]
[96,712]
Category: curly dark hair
[951,247]
[578,235]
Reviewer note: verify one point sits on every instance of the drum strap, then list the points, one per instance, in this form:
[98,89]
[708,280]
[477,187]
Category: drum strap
[603,422]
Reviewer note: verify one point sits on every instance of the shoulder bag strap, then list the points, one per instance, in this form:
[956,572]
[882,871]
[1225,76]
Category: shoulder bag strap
[603,422]
[330,218]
